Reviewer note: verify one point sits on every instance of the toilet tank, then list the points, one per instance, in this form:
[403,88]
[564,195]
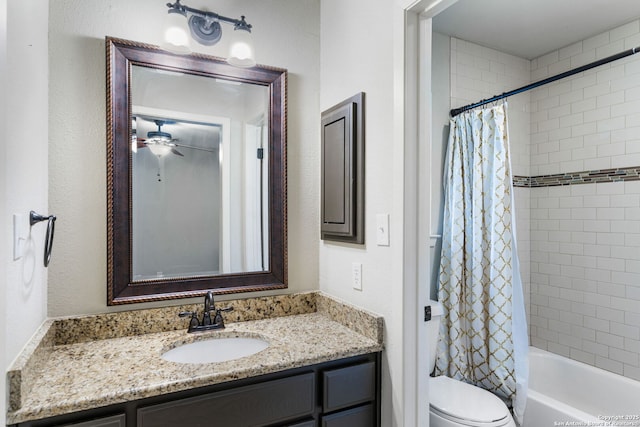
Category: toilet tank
[433,328]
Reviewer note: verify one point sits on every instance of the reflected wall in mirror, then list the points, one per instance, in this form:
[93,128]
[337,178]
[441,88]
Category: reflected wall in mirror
[196,175]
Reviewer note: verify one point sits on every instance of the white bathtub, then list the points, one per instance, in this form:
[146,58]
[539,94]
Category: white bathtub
[561,390]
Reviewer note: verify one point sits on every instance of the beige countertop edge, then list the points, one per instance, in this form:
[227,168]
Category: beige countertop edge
[18,375]
[288,352]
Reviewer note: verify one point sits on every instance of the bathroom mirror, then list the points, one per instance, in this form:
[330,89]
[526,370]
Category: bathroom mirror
[196,175]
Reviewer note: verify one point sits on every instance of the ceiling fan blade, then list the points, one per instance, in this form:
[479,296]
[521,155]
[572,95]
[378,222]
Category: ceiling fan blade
[196,148]
[174,151]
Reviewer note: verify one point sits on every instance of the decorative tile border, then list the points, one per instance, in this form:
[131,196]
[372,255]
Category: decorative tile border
[521,181]
[584,177]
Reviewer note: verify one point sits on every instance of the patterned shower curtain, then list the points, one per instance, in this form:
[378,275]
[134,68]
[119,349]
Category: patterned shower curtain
[483,336]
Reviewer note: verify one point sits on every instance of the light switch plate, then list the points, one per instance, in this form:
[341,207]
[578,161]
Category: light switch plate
[382,229]
[20,235]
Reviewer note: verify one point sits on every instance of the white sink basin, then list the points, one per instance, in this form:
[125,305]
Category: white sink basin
[215,350]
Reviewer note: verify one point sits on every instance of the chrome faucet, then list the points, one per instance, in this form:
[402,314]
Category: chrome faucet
[207,323]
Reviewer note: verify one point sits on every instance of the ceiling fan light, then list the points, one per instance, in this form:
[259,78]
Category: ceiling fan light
[159,149]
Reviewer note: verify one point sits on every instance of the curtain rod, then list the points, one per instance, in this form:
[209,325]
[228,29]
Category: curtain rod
[551,79]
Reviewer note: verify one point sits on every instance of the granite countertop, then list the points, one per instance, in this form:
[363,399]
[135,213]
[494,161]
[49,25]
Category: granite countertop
[65,371]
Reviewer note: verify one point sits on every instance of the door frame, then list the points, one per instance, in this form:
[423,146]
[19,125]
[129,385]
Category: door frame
[412,79]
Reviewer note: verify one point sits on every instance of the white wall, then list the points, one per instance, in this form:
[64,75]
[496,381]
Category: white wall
[24,142]
[5,231]
[77,280]
[354,59]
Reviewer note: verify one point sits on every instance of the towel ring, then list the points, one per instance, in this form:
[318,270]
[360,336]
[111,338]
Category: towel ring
[35,218]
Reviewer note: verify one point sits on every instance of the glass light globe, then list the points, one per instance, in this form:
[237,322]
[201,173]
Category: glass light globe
[176,36]
[241,53]
[159,149]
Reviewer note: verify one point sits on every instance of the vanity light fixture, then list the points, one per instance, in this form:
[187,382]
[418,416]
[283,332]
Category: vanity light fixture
[205,28]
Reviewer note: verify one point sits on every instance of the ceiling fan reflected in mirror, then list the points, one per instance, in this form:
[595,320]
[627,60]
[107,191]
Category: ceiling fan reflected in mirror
[159,142]
[162,143]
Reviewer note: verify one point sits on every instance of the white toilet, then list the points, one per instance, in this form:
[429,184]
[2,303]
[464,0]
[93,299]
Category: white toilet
[453,403]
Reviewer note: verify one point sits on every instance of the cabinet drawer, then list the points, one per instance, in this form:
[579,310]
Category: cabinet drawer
[357,417]
[255,405]
[115,421]
[348,386]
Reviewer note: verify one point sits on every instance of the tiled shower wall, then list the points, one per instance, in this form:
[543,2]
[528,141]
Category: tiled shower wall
[579,244]
[585,238]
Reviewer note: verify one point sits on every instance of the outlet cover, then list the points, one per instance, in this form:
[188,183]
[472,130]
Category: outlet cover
[356,275]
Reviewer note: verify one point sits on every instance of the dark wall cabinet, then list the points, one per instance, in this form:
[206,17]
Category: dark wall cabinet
[341,393]
[342,177]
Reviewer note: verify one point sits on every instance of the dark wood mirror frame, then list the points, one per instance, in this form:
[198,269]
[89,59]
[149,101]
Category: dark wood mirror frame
[121,289]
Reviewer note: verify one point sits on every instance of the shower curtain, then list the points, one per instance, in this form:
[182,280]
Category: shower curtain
[483,335]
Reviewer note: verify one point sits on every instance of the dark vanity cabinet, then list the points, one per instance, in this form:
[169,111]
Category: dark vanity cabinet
[114,421]
[349,387]
[341,393]
[266,403]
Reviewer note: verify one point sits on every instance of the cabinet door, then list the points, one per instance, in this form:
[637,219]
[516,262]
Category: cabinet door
[342,171]
[357,417]
[271,402]
[349,386]
[115,421]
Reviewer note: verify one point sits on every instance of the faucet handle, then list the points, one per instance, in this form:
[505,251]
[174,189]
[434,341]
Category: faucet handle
[218,319]
[193,323]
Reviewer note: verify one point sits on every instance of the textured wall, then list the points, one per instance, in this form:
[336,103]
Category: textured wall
[23,172]
[5,232]
[356,59]
[77,161]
